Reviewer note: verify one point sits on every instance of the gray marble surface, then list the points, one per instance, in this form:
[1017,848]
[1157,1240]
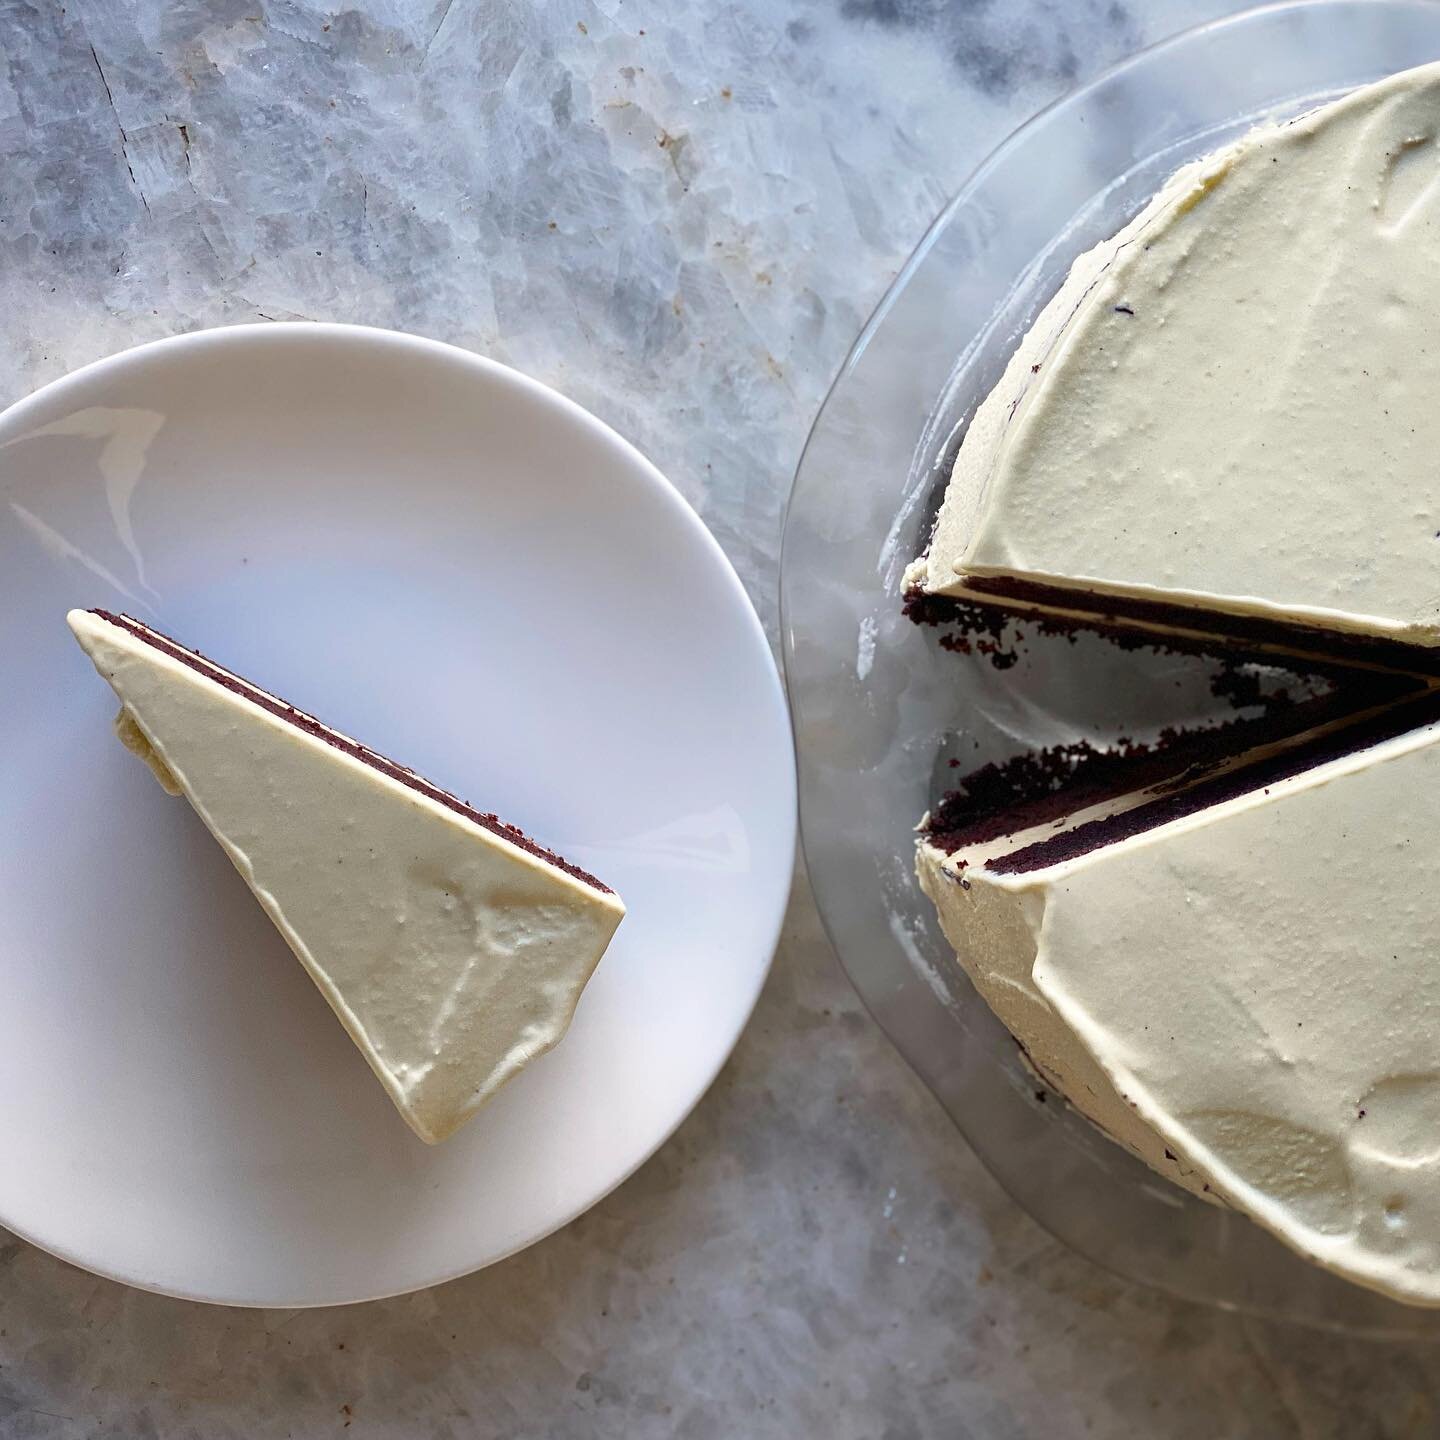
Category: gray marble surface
[679,213]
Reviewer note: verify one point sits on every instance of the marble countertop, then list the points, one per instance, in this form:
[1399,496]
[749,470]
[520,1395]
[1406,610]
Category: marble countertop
[679,212]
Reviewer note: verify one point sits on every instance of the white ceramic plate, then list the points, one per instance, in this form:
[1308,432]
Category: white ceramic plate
[471,574]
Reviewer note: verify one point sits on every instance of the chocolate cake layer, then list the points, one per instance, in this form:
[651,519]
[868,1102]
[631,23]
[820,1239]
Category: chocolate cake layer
[976,626]
[1333,745]
[1344,647]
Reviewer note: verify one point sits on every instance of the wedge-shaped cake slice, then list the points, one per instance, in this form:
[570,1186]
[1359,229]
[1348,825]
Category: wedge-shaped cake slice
[1240,980]
[452,947]
[1227,417]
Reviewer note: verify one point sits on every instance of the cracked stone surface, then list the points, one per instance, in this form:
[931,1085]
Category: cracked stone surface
[680,214]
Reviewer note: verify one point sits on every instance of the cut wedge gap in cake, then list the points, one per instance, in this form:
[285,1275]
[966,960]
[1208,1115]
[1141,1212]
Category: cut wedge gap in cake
[1112,795]
[1047,787]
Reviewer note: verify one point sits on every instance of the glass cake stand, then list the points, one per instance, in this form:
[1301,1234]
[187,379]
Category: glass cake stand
[880,709]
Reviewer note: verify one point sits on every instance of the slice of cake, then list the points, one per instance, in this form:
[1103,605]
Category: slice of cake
[452,947]
[1225,421]
[1238,979]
